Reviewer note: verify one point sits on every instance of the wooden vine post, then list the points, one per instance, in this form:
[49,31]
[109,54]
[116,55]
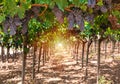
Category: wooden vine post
[98,60]
[24,57]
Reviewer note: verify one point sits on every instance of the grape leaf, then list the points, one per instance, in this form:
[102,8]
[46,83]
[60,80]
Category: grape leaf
[51,5]
[43,1]
[21,12]
[61,5]
[2,18]
[100,3]
[10,7]
[76,2]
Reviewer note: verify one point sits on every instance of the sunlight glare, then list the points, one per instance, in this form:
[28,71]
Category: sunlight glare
[60,45]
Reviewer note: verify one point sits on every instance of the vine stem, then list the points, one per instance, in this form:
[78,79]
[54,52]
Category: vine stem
[68,8]
[41,5]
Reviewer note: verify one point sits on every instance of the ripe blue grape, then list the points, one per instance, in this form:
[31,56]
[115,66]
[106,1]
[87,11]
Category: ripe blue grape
[103,9]
[91,3]
[71,20]
[59,14]
[90,18]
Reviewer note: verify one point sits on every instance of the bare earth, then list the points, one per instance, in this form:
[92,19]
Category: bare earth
[62,69]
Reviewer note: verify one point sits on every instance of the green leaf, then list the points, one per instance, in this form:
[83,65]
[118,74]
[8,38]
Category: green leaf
[21,12]
[49,16]
[10,7]
[116,13]
[2,18]
[83,1]
[26,5]
[84,7]
[1,1]
[90,10]
[43,1]
[100,3]
[61,4]
[76,2]
[52,4]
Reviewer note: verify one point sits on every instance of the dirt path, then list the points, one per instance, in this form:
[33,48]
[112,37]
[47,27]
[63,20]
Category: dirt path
[60,69]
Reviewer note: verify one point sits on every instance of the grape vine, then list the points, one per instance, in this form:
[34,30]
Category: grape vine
[71,20]
[75,17]
[11,23]
[59,14]
[91,3]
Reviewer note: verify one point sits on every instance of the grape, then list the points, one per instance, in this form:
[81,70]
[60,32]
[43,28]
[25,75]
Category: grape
[10,19]
[59,14]
[17,21]
[14,22]
[77,12]
[71,20]
[12,26]
[6,26]
[90,18]
[25,22]
[79,20]
[91,3]
[103,9]
[12,29]
[82,24]
[9,23]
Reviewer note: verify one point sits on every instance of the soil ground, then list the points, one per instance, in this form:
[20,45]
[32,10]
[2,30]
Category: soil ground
[62,69]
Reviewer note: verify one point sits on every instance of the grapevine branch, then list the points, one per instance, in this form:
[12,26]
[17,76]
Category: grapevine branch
[68,8]
[41,5]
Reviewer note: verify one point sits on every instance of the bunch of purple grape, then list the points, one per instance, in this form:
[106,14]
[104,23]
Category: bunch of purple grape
[75,17]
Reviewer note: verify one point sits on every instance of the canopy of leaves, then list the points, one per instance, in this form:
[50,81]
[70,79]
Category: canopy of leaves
[37,16]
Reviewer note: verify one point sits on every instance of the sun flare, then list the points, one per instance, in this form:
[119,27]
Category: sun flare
[60,45]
